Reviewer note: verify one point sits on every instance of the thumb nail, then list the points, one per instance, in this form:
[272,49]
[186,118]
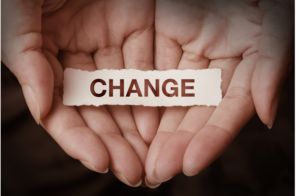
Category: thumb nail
[274,108]
[32,102]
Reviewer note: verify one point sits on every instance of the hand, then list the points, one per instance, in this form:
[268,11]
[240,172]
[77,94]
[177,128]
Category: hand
[41,38]
[250,41]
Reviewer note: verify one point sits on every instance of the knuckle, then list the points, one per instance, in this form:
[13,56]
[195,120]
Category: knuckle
[239,93]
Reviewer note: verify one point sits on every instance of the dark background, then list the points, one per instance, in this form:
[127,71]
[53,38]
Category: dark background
[258,162]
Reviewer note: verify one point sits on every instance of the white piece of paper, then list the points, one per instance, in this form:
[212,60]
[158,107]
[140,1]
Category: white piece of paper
[148,88]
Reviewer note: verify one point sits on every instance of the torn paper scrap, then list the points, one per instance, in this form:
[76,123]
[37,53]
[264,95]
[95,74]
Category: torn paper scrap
[148,88]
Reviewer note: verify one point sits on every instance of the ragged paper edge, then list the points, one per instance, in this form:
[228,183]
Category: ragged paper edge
[174,105]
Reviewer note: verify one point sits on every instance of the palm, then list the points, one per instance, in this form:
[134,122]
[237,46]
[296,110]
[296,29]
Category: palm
[210,29]
[248,40]
[235,36]
[92,35]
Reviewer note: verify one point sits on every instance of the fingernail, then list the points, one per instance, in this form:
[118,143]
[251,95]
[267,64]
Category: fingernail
[270,126]
[159,180]
[93,168]
[124,180]
[150,185]
[188,174]
[274,108]
[32,103]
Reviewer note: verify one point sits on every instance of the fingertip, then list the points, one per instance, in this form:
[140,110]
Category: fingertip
[160,179]
[45,91]
[151,185]
[188,167]
[37,80]
[101,162]
[267,82]
[102,168]
[270,126]
[266,110]
[188,174]
[154,176]
[32,102]
[123,179]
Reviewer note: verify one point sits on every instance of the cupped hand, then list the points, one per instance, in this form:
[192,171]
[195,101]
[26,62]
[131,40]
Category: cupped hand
[41,38]
[250,41]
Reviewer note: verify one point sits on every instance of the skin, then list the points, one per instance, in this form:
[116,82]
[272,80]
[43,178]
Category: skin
[250,41]
[42,38]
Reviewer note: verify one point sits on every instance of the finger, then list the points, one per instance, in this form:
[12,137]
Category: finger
[170,159]
[233,112]
[137,51]
[138,54]
[36,79]
[74,60]
[167,53]
[124,120]
[165,130]
[189,60]
[123,161]
[167,56]
[68,129]
[112,58]
[21,53]
[147,120]
[108,130]
[275,63]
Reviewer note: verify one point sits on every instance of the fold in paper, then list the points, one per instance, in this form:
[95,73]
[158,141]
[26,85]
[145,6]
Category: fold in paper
[147,88]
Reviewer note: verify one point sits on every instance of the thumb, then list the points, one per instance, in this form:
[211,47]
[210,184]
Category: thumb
[272,68]
[21,53]
[35,75]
